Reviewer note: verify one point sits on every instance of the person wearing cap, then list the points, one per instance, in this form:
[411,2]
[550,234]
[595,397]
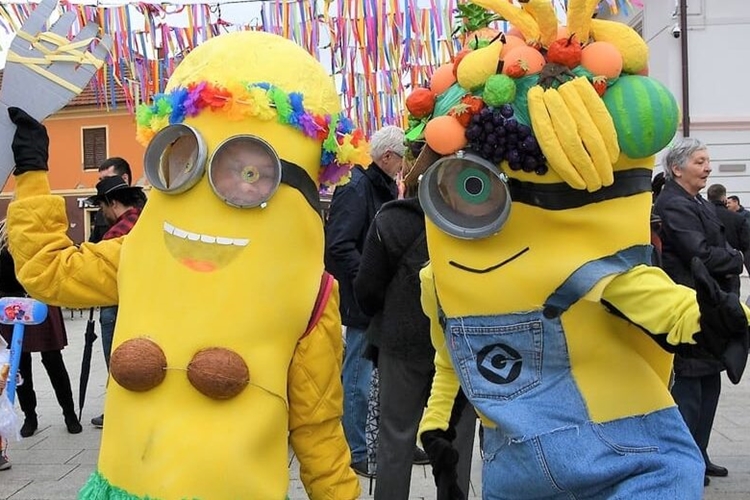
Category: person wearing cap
[120,205]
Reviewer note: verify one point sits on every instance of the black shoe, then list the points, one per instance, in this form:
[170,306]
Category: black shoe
[420,457]
[73,425]
[98,422]
[30,425]
[706,481]
[716,470]
[361,469]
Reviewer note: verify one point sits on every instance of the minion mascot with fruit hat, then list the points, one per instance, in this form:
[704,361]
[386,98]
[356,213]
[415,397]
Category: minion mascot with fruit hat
[544,308]
[228,344]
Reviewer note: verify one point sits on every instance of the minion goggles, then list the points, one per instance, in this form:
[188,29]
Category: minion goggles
[244,171]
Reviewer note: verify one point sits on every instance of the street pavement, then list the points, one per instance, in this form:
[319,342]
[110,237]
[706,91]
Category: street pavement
[53,465]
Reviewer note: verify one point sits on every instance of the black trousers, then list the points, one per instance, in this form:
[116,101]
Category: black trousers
[404,389]
[58,376]
[697,398]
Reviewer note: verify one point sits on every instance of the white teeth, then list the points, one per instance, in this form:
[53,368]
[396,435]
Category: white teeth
[205,238]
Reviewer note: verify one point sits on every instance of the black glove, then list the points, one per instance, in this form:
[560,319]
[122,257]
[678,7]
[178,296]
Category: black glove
[30,142]
[724,328]
[443,458]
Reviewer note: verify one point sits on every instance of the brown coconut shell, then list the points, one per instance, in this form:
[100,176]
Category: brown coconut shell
[218,373]
[138,365]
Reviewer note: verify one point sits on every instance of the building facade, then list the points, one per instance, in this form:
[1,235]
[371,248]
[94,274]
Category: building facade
[82,135]
[710,84]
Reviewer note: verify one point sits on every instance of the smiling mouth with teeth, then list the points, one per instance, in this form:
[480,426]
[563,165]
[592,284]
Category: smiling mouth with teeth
[201,252]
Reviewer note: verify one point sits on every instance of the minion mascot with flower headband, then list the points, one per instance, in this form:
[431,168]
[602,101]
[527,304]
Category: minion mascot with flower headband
[228,344]
[544,308]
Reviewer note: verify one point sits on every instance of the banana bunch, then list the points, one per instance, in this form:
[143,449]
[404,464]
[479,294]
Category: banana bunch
[575,132]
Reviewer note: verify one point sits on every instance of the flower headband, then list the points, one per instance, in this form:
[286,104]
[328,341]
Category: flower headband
[343,144]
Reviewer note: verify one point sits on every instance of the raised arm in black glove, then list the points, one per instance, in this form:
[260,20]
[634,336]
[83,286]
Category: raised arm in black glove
[438,444]
[30,142]
[724,327]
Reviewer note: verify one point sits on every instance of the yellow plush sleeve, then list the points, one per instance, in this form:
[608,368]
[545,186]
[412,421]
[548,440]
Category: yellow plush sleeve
[315,409]
[646,296]
[445,384]
[48,264]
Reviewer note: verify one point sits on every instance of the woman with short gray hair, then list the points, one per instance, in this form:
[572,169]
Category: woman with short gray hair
[690,228]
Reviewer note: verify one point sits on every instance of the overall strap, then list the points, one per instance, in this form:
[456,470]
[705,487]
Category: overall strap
[324,292]
[589,274]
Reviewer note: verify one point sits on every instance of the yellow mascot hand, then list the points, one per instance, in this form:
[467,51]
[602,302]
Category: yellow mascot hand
[548,141]
[589,133]
[599,113]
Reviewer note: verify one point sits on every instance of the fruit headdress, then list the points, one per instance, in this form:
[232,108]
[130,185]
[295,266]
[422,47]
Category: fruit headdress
[548,103]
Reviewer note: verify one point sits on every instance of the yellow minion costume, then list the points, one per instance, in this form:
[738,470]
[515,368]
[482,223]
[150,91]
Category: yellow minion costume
[216,364]
[539,289]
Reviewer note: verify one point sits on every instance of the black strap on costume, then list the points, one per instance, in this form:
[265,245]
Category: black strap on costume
[296,177]
[561,196]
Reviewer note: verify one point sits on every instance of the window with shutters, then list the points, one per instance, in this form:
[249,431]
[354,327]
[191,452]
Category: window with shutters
[94,147]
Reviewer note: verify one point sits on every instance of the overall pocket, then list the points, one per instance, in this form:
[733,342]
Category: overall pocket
[498,362]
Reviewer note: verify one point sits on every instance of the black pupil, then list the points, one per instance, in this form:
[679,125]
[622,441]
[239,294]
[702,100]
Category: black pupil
[473,185]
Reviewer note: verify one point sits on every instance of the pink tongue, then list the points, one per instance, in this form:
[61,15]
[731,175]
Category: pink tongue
[202,266]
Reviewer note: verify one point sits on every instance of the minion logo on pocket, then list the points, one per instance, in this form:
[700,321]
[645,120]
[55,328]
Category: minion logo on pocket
[499,363]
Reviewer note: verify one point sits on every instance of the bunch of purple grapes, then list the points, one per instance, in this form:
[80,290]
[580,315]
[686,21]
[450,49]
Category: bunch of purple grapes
[495,135]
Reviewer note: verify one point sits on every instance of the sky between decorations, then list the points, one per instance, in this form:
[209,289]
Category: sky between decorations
[375,50]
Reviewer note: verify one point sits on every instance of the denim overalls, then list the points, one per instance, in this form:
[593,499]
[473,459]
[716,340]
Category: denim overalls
[515,370]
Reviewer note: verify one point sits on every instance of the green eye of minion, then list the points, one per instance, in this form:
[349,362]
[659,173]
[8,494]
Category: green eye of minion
[473,185]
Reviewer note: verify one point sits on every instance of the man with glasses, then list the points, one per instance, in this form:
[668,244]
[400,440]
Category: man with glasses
[353,208]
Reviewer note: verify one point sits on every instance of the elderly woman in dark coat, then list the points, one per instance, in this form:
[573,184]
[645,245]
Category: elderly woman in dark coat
[48,338]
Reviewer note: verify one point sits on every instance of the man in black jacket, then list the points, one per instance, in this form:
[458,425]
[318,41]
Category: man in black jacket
[353,207]
[737,227]
[690,228]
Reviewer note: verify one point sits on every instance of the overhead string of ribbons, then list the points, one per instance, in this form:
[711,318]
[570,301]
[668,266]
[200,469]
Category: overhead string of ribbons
[375,50]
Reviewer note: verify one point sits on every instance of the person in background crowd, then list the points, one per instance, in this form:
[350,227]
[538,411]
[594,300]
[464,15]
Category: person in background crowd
[690,228]
[109,167]
[4,372]
[737,228]
[353,206]
[120,205]
[48,338]
[733,204]
[387,287]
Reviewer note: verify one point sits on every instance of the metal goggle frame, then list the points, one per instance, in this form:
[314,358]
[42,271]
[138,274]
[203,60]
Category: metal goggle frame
[244,171]
[465,196]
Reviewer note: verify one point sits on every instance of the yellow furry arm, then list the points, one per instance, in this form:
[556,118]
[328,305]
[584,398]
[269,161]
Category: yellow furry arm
[48,264]
[315,409]
[649,298]
[445,384]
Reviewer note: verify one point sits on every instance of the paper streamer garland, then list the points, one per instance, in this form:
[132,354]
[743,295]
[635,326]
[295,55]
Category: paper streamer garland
[377,51]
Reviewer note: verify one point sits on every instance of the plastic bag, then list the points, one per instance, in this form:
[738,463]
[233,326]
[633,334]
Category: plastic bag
[10,424]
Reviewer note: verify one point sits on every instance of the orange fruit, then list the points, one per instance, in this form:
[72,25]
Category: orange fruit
[445,135]
[602,59]
[442,78]
[511,42]
[531,59]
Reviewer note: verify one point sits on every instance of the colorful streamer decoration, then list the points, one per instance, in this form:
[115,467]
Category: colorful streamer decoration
[377,51]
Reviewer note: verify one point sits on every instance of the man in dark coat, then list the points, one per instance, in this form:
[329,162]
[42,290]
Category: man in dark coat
[690,228]
[737,227]
[353,207]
